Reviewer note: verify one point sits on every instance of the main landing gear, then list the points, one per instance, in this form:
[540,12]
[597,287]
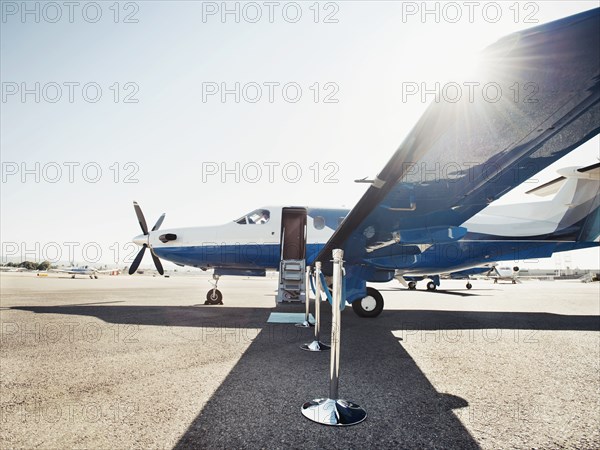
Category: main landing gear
[214,296]
[369,306]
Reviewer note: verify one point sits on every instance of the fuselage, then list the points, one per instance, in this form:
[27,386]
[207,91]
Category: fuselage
[254,242]
[244,243]
[85,270]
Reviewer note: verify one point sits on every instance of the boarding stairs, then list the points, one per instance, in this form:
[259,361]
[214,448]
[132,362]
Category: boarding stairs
[291,281]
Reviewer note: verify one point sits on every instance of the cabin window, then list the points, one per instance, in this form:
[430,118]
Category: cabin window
[258,216]
[319,222]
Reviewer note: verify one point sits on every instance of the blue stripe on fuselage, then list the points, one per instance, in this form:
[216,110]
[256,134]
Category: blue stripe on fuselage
[234,256]
[449,255]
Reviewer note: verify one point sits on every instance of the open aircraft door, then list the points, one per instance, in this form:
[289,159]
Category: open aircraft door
[293,254]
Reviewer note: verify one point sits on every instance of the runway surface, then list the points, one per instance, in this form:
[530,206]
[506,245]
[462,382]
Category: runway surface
[140,362]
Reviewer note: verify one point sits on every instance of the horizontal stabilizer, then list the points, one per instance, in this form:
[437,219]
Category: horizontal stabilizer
[593,170]
[549,188]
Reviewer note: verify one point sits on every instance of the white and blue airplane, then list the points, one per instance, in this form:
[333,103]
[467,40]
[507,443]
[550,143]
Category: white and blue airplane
[87,271]
[430,210]
[506,273]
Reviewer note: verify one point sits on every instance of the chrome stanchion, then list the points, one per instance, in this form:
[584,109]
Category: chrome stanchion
[317,345]
[306,323]
[333,410]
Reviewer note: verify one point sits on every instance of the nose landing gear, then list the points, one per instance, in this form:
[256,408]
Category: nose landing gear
[214,296]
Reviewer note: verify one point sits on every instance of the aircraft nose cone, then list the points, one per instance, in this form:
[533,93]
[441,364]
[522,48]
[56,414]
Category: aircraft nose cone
[140,240]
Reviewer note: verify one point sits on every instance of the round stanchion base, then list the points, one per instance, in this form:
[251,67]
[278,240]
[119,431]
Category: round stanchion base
[305,324]
[315,346]
[338,412]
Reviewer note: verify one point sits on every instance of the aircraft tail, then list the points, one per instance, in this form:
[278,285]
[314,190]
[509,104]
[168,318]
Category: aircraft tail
[570,214]
[577,193]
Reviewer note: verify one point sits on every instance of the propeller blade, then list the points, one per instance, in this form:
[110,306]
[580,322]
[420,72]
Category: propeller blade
[138,259]
[141,219]
[158,223]
[157,263]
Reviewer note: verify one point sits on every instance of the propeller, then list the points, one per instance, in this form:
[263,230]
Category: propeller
[493,269]
[144,226]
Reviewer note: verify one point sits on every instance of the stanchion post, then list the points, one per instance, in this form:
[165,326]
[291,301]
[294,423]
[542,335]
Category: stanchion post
[317,345]
[306,323]
[336,323]
[317,301]
[307,294]
[333,410]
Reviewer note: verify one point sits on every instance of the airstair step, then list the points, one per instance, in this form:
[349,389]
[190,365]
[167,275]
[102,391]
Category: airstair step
[291,281]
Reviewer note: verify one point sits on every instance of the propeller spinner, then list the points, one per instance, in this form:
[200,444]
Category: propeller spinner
[144,241]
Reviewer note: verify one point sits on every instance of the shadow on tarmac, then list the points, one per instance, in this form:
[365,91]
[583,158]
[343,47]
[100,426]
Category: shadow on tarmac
[258,404]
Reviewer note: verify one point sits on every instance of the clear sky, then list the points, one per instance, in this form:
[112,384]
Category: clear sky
[130,90]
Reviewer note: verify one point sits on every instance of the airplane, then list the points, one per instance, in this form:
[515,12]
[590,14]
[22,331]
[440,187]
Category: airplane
[84,270]
[410,281]
[12,269]
[430,210]
[506,273]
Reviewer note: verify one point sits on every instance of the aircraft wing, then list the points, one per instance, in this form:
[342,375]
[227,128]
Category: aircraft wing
[71,272]
[462,155]
[108,270]
[81,272]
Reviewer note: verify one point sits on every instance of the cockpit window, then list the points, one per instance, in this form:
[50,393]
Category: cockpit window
[258,216]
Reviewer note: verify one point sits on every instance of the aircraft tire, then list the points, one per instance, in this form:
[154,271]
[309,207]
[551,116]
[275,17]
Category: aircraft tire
[412,285]
[431,286]
[369,306]
[469,285]
[215,298]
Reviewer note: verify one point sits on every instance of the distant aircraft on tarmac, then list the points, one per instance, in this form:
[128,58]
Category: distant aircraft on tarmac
[410,281]
[12,269]
[506,274]
[84,270]
[430,210]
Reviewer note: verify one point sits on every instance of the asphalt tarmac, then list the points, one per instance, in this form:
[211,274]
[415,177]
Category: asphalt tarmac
[140,362]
